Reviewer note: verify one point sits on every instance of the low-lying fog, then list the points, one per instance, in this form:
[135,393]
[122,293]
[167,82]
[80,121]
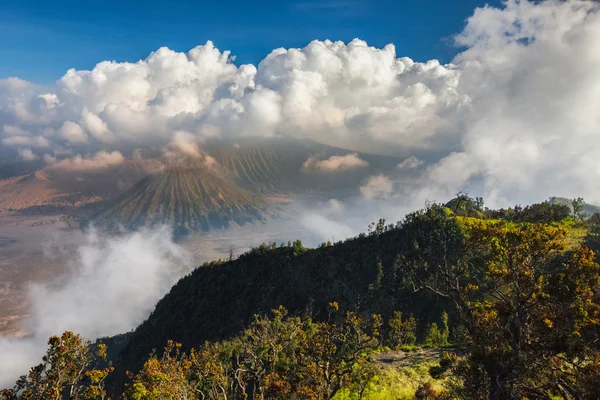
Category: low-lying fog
[55,278]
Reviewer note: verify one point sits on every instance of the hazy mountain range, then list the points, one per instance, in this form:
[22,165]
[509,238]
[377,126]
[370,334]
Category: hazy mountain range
[227,183]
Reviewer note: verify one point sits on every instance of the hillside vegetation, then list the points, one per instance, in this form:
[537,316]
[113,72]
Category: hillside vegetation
[509,298]
[577,206]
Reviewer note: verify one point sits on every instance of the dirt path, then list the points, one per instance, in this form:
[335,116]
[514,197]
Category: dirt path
[400,359]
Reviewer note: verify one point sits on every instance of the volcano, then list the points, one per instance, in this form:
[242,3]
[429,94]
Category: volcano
[188,198]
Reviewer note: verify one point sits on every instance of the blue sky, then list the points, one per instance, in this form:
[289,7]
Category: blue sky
[41,39]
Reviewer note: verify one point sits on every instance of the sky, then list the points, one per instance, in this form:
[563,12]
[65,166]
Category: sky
[43,39]
[501,99]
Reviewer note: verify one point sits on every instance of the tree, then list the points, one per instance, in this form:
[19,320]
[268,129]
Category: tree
[163,378]
[578,208]
[401,332]
[464,205]
[68,371]
[544,212]
[479,202]
[592,239]
[231,254]
[436,337]
[377,228]
[334,349]
[445,334]
[505,282]
[298,247]
[276,357]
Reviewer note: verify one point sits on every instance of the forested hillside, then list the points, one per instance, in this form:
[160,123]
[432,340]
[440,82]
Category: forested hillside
[510,298]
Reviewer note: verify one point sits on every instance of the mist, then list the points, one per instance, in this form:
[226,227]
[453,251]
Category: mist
[113,284]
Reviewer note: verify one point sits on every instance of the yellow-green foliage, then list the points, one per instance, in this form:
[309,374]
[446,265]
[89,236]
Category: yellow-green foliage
[391,383]
[575,233]
[448,211]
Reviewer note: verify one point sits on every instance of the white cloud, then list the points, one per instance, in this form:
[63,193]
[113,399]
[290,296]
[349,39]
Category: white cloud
[100,160]
[411,162]
[48,159]
[532,131]
[114,284]
[96,126]
[377,187]
[72,132]
[518,106]
[325,228]
[33,141]
[335,163]
[327,90]
[27,155]
[14,130]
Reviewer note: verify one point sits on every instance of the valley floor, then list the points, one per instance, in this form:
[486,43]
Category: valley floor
[43,250]
[33,249]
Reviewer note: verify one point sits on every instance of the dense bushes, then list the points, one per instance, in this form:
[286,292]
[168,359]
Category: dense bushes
[524,310]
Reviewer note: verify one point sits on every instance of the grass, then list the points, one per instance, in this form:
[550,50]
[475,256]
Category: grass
[576,233]
[400,374]
[393,383]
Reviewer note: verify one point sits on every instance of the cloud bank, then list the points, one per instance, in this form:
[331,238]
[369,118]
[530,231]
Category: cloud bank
[100,160]
[514,115]
[113,285]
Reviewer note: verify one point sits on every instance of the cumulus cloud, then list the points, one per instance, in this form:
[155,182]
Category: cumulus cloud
[377,187]
[96,126]
[516,107]
[101,159]
[72,132]
[34,141]
[113,285]
[531,132]
[15,136]
[411,162]
[27,155]
[327,90]
[335,163]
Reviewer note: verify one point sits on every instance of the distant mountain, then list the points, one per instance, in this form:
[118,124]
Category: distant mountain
[588,209]
[189,198]
[56,189]
[275,166]
[226,183]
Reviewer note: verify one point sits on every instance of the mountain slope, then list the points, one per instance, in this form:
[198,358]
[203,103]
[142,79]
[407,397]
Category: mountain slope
[190,199]
[277,165]
[217,301]
[588,209]
[56,189]
[266,166]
